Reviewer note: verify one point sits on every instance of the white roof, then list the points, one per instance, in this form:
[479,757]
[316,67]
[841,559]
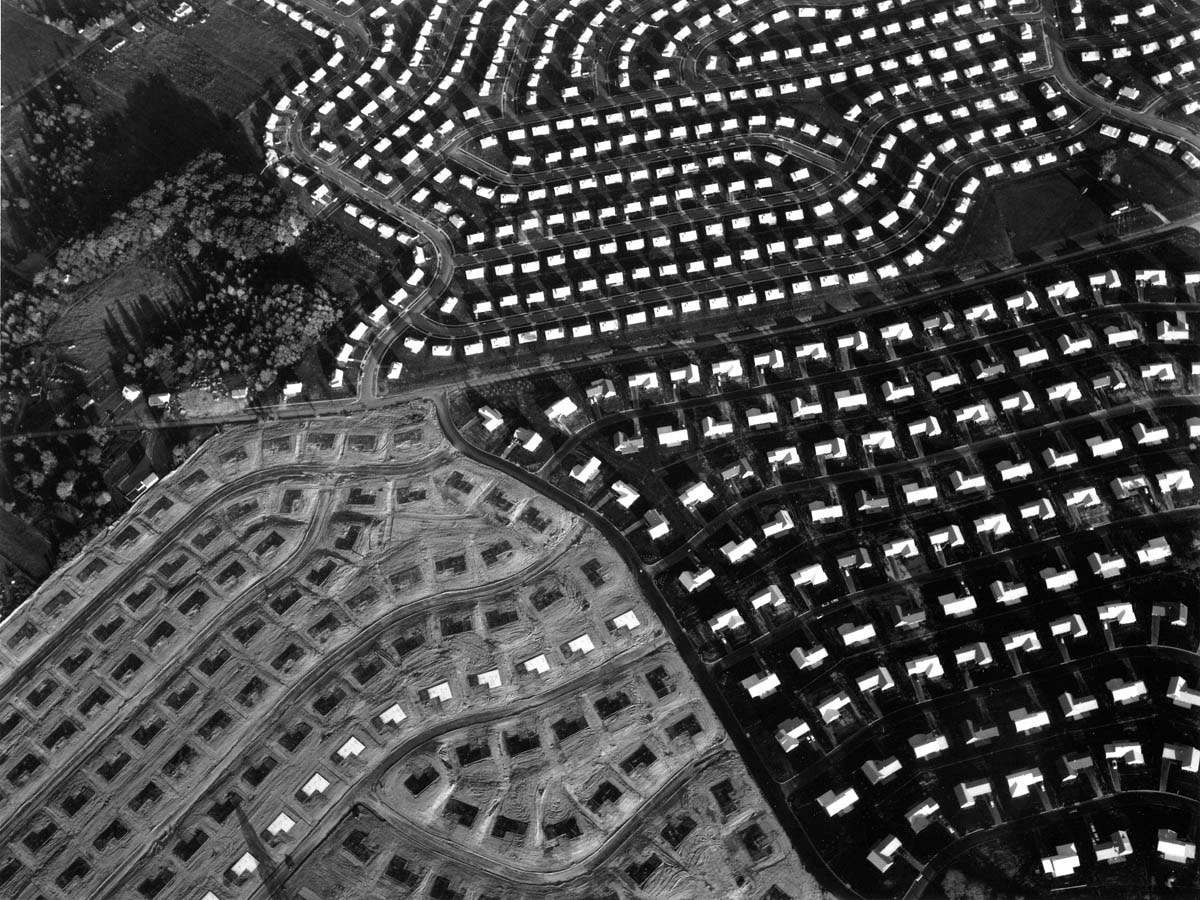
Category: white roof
[245,865]
[315,785]
[538,664]
[282,825]
[352,747]
[393,715]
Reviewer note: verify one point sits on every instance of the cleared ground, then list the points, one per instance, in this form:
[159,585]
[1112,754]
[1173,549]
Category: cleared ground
[370,664]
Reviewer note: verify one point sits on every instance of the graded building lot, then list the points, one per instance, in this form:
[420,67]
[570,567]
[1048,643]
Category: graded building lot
[342,660]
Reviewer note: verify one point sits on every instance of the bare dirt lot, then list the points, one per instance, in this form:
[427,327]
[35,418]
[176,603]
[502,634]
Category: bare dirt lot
[357,662]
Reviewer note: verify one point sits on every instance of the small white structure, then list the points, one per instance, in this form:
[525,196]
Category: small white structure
[282,824]
[245,866]
[317,784]
[1173,849]
[727,620]
[352,748]
[393,715]
[1062,863]
[1181,694]
[492,420]
[657,524]
[1025,721]
[585,472]
[927,745]
[761,685]
[835,803]
[968,792]
[538,665]
[696,494]
[693,581]
[1115,849]
[790,732]
[627,620]
[883,854]
[440,692]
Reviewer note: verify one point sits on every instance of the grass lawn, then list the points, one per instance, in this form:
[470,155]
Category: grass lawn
[1161,181]
[1045,209]
[28,49]
[104,316]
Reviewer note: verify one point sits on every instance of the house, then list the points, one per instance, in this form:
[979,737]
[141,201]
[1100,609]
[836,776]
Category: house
[853,635]
[968,792]
[626,495]
[925,746]
[831,707]
[780,523]
[823,512]
[739,551]
[837,803]
[1071,626]
[976,654]
[315,785]
[537,665]
[693,581]
[1058,581]
[1007,592]
[771,595]
[1154,551]
[809,659]
[883,854]
[729,620]
[1106,565]
[790,732]
[560,410]
[1062,863]
[696,494]
[1173,849]
[811,575]
[669,436]
[921,815]
[758,418]
[527,439]
[1126,692]
[657,524]
[627,620]
[351,748]
[393,715]
[1181,694]
[712,428]
[830,449]
[929,667]
[626,444]
[761,685]
[112,42]
[489,679]
[440,692]
[1025,721]
[1115,849]
[918,495]
[879,771]
[955,606]
[585,472]
[877,679]
[492,420]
